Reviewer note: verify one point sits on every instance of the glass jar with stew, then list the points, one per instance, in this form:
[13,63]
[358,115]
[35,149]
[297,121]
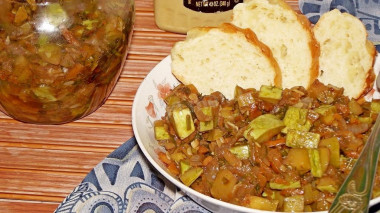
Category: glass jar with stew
[60,59]
[181,15]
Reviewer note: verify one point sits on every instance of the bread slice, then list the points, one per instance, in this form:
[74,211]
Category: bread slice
[287,34]
[347,57]
[219,58]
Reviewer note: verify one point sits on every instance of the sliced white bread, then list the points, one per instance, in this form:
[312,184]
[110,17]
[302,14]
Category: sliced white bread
[347,57]
[219,58]
[287,34]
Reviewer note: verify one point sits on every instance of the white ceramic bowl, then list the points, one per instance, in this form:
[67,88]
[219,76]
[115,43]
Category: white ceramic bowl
[148,106]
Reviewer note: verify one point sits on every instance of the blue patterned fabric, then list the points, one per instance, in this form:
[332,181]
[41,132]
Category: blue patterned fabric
[126,182]
[368,11]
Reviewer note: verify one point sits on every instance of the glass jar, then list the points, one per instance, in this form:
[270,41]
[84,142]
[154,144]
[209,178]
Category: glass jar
[181,15]
[60,60]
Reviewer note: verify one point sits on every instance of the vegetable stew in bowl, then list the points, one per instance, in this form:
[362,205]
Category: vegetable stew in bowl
[269,149]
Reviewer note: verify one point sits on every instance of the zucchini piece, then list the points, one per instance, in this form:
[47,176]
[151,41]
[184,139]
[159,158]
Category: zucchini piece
[302,139]
[263,128]
[310,193]
[333,145]
[327,113]
[307,208]
[215,134]
[56,14]
[272,196]
[324,157]
[260,203]
[327,184]
[375,109]
[184,166]
[375,106]
[315,162]
[182,120]
[245,99]
[21,16]
[206,125]
[299,159]
[365,120]
[325,109]
[280,186]
[296,118]
[177,156]
[294,203]
[223,186]
[270,93]
[355,107]
[241,151]
[161,130]
[190,175]
[172,99]
[44,93]
[50,53]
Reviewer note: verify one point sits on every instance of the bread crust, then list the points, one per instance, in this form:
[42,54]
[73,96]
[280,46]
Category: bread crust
[314,48]
[309,69]
[252,38]
[178,60]
[369,76]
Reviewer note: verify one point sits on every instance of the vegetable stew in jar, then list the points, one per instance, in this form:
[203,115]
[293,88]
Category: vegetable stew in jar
[60,60]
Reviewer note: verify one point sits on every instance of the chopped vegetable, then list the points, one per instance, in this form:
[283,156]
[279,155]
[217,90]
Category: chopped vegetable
[327,112]
[333,145]
[241,151]
[324,157]
[263,128]
[299,159]
[296,118]
[270,93]
[293,185]
[355,107]
[302,139]
[294,203]
[190,175]
[327,184]
[21,15]
[245,99]
[256,202]
[184,166]
[291,154]
[315,162]
[223,186]
[181,117]
[206,125]
[161,130]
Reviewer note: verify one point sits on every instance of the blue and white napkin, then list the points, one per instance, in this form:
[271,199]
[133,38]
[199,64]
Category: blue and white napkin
[125,182]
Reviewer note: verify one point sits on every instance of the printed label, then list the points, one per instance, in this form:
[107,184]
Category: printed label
[211,6]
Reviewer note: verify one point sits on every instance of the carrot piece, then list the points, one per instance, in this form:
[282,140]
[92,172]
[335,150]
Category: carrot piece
[162,156]
[203,150]
[74,71]
[277,142]
[352,154]
[207,160]
[70,38]
[172,167]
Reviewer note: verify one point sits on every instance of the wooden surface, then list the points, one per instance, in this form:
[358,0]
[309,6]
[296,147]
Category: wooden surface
[41,165]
